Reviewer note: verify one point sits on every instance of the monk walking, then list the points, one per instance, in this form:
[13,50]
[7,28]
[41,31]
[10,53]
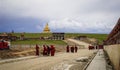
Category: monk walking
[67,48]
[76,48]
[52,50]
[37,50]
[48,50]
[72,49]
[44,50]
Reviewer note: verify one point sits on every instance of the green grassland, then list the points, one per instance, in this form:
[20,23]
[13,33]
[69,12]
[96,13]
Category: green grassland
[33,35]
[41,42]
[99,37]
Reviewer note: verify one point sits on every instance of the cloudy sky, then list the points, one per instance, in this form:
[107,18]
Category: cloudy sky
[79,16]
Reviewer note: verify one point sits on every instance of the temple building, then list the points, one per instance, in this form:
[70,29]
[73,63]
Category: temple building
[58,36]
[114,36]
[46,29]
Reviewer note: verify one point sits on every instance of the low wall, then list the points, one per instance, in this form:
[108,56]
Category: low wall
[113,52]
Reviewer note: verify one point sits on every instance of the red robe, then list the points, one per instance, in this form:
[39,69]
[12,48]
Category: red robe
[52,50]
[67,48]
[76,48]
[44,50]
[72,49]
[37,50]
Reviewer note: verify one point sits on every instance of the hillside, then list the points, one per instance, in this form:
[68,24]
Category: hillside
[99,37]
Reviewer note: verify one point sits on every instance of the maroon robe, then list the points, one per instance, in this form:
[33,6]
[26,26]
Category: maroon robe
[52,50]
[37,50]
[72,49]
[76,48]
[44,50]
[67,48]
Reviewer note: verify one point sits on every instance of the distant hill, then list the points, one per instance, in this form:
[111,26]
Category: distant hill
[99,37]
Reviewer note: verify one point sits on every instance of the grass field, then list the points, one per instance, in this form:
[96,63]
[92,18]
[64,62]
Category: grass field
[99,37]
[41,42]
[33,35]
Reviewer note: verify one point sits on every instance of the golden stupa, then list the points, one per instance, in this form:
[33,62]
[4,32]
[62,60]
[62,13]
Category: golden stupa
[46,29]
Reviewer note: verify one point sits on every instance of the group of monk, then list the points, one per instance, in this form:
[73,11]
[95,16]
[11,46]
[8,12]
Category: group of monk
[46,50]
[72,49]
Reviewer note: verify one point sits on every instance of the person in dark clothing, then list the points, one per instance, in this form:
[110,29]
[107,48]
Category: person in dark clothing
[44,50]
[37,50]
[67,48]
[72,49]
[76,48]
[52,50]
[48,50]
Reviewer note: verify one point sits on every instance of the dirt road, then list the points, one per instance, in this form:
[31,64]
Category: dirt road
[47,62]
[44,63]
[78,42]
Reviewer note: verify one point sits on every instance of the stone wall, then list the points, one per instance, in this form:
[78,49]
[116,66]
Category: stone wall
[113,52]
[114,36]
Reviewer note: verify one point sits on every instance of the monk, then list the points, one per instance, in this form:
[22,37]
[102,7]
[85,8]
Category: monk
[72,49]
[76,48]
[44,50]
[52,50]
[67,48]
[37,50]
[48,50]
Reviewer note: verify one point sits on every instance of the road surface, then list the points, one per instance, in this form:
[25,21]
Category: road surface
[45,62]
[79,42]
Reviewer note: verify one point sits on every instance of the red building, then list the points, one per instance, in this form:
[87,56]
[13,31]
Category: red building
[114,36]
[3,45]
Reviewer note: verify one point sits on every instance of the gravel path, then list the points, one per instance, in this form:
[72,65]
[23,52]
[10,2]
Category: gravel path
[79,42]
[44,63]
[61,61]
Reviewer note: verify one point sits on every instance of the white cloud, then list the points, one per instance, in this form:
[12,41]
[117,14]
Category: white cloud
[78,26]
[38,27]
[77,15]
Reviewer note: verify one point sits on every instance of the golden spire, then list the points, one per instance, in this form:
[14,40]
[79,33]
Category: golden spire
[46,29]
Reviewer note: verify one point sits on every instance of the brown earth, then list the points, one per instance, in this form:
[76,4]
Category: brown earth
[21,52]
[48,62]
[60,60]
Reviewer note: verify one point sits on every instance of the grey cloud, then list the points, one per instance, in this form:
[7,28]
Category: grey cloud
[71,14]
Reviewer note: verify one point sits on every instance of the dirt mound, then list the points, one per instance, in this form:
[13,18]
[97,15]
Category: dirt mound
[90,40]
[5,54]
[21,52]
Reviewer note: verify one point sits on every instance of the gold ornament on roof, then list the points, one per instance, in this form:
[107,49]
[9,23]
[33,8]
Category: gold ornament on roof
[46,29]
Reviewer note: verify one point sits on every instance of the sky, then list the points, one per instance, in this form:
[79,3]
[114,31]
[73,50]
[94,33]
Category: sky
[73,16]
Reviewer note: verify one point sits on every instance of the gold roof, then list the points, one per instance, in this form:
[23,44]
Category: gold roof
[46,29]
